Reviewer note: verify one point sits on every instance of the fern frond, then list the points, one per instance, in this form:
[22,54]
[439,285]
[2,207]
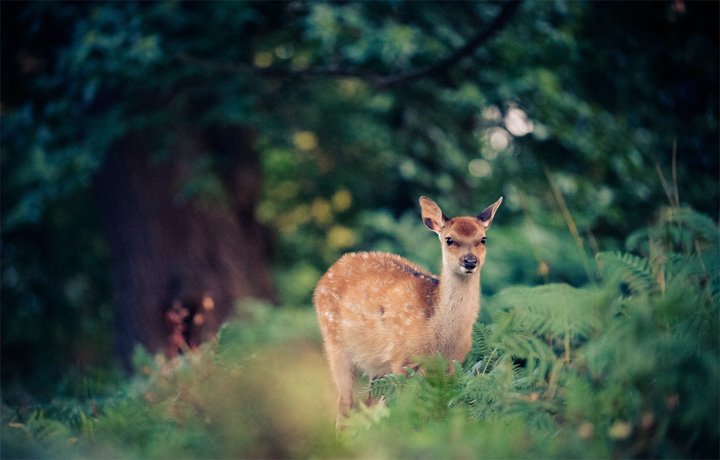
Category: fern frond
[535,353]
[554,312]
[633,273]
[487,394]
[481,348]
[677,230]
[387,386]
[698,226]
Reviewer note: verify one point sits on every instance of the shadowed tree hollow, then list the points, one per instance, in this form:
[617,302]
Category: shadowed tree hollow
[174,253]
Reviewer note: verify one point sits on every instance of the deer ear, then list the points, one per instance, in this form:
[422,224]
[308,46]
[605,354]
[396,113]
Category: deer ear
[486,217]
[432,216]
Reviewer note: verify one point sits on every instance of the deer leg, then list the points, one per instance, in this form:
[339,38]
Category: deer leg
[343,374]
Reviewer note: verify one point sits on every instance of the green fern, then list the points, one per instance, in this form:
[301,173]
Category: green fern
[484,353]
[554,371]
[487,394]
[632,274]
[387,386]
[677,230]
[538,324]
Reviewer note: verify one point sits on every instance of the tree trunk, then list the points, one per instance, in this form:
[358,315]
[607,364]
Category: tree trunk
[180,264]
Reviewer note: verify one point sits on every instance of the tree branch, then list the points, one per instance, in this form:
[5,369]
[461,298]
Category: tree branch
[380,80]
[467,49]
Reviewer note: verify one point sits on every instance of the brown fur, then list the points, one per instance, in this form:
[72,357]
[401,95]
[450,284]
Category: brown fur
[463,227]
[378,312]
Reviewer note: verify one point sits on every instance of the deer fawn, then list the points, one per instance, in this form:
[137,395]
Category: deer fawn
[379,312]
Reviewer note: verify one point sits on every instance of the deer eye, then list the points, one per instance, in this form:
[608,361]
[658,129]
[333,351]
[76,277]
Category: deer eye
[483,240]
[449,241]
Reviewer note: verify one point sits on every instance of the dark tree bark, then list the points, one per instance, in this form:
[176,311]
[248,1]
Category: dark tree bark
[180,265]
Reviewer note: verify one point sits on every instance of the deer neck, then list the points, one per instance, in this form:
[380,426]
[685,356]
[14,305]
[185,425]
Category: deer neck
[457,310]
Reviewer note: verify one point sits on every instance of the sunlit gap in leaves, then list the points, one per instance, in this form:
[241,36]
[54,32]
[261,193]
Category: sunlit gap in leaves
[496,134]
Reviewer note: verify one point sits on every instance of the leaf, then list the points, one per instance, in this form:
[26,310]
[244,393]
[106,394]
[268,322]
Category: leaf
[633,271]
[552,309]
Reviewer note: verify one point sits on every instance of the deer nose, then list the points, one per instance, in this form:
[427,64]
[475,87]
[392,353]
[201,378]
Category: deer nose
[470,261]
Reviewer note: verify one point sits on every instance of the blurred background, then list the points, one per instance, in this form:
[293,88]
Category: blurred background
[163,162]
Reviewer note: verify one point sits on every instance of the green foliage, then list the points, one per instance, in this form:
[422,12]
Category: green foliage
[629,367]
[575,101]
[78,77]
